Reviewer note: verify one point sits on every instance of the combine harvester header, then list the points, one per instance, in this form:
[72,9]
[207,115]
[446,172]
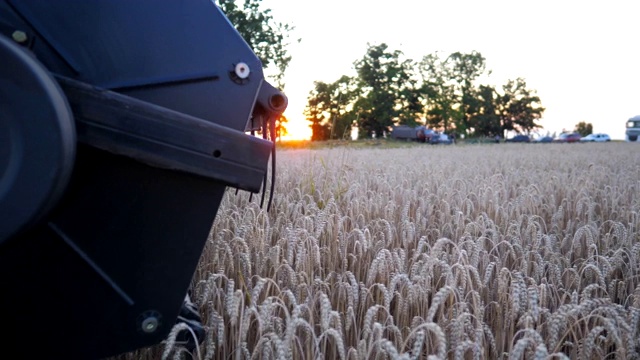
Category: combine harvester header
[121,125]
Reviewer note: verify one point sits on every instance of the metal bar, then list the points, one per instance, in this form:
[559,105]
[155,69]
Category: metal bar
[165,138]
[87,259]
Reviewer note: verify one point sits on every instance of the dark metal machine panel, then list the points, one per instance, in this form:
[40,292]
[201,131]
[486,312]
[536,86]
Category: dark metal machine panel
[120,249]
[161,93]
[181,55]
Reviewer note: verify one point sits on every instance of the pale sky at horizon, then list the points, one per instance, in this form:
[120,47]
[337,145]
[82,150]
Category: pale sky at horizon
[582,58]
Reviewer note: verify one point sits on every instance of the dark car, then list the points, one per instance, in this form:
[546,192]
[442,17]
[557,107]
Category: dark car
[519,138]
[544,139]
[569,138]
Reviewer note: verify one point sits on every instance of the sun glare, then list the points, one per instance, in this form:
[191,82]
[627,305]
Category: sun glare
[297,129]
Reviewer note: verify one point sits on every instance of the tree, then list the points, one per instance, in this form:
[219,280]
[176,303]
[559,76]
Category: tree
[449,85]
[465,69]
[267,38]
[411,104]
[518,107]
[584,128]
[443,103]
[344,92]
[486,121]
[318,102]
[327,109]
[381,77]
[281,129]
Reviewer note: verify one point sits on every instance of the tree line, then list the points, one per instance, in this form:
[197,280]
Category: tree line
[441,92]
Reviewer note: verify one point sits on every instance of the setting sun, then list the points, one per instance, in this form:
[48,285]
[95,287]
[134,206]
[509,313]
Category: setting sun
[297,128]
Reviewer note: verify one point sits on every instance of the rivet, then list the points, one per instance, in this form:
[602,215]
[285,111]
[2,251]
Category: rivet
[20,36]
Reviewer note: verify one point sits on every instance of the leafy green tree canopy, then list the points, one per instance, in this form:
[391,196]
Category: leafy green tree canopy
[486,122]
[442,108]
[382,77]
[449,85]
[440,92]
[328,109]
[584,128]
[519,107]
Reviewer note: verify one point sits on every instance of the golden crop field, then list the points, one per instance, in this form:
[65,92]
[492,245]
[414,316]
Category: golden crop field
[504,251]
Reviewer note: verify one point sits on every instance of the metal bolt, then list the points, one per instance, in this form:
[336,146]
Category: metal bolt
[242,70]
[150,324]
[20,36]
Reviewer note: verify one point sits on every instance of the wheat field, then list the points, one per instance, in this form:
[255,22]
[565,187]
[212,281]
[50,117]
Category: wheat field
[504,251]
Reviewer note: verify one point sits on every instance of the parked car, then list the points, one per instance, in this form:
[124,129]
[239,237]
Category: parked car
[600,137]
[519,138]
[440,139]
[568,138]
[544,139]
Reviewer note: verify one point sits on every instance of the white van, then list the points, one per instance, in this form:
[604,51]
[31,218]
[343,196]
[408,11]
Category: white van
[633,128]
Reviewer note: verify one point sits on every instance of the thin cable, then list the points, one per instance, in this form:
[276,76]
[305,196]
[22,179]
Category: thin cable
[264,179]
[273,176]
[253,133]
[273,164]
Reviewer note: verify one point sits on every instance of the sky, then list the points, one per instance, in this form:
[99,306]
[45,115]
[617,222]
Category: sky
[581,57]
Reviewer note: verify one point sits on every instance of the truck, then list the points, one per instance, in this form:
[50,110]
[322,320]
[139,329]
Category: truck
[122,125]
[633,128]
[412,133]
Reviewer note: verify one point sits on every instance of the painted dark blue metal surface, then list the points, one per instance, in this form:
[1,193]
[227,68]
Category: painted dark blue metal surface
[161,94]
[177,54]
[37,140]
